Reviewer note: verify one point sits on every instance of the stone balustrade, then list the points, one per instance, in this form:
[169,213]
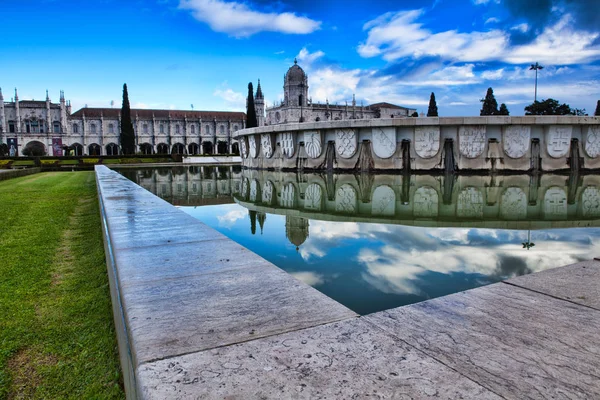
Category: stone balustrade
[494,143]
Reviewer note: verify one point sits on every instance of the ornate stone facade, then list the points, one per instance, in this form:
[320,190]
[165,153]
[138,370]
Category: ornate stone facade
[95,131]
[297,106]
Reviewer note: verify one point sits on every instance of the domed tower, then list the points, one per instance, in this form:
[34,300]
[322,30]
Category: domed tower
[296,230]
[295,87]
[259,105]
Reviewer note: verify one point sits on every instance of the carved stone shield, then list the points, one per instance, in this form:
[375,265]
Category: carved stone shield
[513,204]
[516,140]
[288,196]
[345,142]
[592,141]
[267,193]
[313,197]
[384,141]
[426,201]
[288,144]
[471,140]
[312,144]
[590,202]
[427,141]
[383,201]
[253,146]
[346,199]
[559,140]
[469,203]
[243,146]
[555,203]
[267,145]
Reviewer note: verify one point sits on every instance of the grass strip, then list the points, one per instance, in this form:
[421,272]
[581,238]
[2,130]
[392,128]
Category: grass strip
[57,335]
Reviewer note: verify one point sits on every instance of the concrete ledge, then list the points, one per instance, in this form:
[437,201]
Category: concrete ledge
[211,160]
[200,317]
[15,173]
[178,286]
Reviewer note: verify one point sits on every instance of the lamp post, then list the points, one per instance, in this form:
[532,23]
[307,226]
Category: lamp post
[536,67]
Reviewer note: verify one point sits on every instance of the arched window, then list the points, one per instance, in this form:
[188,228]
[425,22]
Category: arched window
[56,127]
[145,127]
[177,128]
[235,128]
[161,128]
[93,128]
[208,129]
[75,128]
[111,128]
[193,129]
[221,129]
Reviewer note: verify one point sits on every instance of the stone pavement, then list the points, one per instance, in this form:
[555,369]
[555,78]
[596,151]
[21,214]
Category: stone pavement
[199,316]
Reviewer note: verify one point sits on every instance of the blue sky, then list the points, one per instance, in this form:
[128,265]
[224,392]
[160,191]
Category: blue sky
[175,53]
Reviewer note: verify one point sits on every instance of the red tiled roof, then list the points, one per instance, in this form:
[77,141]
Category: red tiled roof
[159,114]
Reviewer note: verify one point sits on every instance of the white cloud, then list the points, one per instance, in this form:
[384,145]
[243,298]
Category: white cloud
[233,100]
[310,278]
[521,27]
[493,74]
[306,57]
[399,35]
[492,20]
[237,19]
[228,220]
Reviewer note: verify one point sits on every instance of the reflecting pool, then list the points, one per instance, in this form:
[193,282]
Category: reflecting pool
[374,242]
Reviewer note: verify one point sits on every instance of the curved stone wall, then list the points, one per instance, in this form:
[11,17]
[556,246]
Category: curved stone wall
[504,202]
[474,143]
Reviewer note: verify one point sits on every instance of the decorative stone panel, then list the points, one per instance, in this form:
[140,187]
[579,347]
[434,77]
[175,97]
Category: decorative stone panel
[346,199]
[267,193]
[513,204]
[426,202]
[592,141]
[253,146]
[345,142]
[313,197]
[312,144]
[243,146]
[590,202]
[288,196]
[471,140]
[288,144]
[267,145]
[384,141]
[427,141]
[559,140]
[516,140]
[254,190]
[555,203]
[470,203]
[383,201]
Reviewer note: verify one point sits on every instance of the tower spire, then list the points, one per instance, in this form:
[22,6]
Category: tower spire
[259,93]
[1,97]
[16,95]
[47,97]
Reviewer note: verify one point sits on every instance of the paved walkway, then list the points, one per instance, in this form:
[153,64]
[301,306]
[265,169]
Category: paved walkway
[202,317]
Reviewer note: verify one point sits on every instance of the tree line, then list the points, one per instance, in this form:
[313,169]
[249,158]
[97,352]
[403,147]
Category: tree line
[490,107]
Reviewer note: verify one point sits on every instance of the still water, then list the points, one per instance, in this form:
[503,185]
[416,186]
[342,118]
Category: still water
[374,242]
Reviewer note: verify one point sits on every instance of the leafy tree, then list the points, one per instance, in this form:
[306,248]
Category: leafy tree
[251,121]
[433,110]
[415,114]
[549,107]
[503,110]
[597,113]
[490,105]
[127,133]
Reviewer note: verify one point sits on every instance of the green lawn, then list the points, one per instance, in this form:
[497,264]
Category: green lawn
[57,335]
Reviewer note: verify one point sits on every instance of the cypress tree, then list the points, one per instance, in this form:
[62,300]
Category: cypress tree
[597,113]
[503,110]
[127,133]
[251,121]
[432,111]
[490,105]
